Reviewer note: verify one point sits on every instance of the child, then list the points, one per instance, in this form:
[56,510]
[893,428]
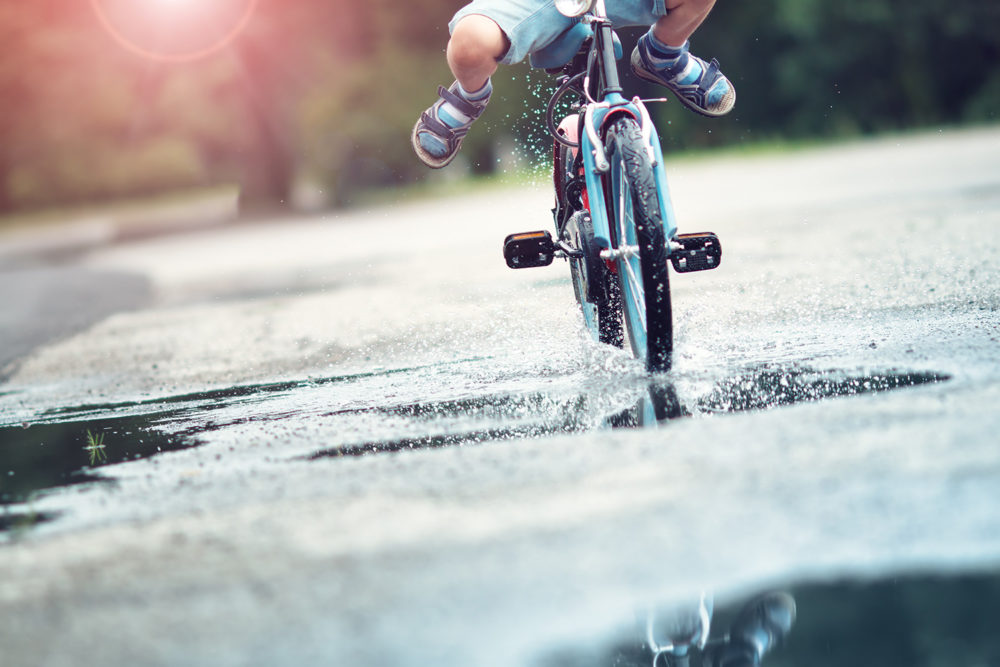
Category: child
[487,32]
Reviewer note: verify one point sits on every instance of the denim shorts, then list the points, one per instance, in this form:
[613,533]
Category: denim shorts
[532,24]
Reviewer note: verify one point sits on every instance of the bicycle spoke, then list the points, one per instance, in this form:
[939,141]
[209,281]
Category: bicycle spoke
[621,208]
[635,293]
[626,221]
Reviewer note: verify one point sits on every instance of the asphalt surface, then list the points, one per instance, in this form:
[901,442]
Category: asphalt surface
[361,439]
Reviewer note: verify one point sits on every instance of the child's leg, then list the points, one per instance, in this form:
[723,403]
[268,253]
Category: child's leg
[483,34]
[682,19]
[662,57]
[476,45]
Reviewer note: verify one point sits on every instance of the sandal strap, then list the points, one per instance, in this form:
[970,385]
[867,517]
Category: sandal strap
[452,136]
[709,76]
[460,103]
[697,91]
[436,126]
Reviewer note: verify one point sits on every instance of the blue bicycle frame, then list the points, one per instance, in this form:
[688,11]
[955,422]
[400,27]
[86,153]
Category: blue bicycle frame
[596,164]
[610,156]
[597,116]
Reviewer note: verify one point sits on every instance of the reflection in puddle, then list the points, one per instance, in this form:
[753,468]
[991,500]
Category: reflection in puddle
[693,635]
[925,621]
[70,445]
[658,403]
[42,456]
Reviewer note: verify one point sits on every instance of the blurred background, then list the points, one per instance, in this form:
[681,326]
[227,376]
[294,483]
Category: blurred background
[309,104]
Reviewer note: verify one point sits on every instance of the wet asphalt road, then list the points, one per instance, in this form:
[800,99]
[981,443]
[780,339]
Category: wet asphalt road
[360,439]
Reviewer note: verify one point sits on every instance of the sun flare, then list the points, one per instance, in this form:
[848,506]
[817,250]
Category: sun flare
[174,30]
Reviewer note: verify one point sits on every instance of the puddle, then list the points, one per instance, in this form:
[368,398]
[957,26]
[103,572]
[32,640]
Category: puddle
[71,445]
[658,403]
[767,388]
[763,389]
[15,522]
[933,620]
[47,455]
[474,420]
[538,414]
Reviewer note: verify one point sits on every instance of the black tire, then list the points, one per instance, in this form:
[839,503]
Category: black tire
[631,192]
[592,282]
[593,285]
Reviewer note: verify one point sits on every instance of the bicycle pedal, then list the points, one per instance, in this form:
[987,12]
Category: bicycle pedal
[528,249]
[698,252]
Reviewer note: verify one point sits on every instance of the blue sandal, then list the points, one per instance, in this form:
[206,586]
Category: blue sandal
[710,95]
[436,142]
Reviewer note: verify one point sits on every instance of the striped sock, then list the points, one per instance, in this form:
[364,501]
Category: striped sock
[662,56]
[451,116]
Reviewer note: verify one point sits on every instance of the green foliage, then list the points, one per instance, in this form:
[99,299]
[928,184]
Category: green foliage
[330,90]
[806,68]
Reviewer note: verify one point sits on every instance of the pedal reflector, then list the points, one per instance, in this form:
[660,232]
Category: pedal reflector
[528,249]
[698,252]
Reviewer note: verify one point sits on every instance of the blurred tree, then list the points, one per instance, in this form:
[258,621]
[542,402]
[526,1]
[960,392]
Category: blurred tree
[808,68]
[278,59]
[331,88]
[80,117]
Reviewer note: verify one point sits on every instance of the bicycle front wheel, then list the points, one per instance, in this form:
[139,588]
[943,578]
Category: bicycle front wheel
[637,230]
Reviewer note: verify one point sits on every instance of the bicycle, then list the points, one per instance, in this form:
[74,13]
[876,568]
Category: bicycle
[679,636]
[613,217]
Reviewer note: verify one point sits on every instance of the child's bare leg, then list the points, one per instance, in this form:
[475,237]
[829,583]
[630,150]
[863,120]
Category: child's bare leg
[476,45]
[682,19]
[662,57]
